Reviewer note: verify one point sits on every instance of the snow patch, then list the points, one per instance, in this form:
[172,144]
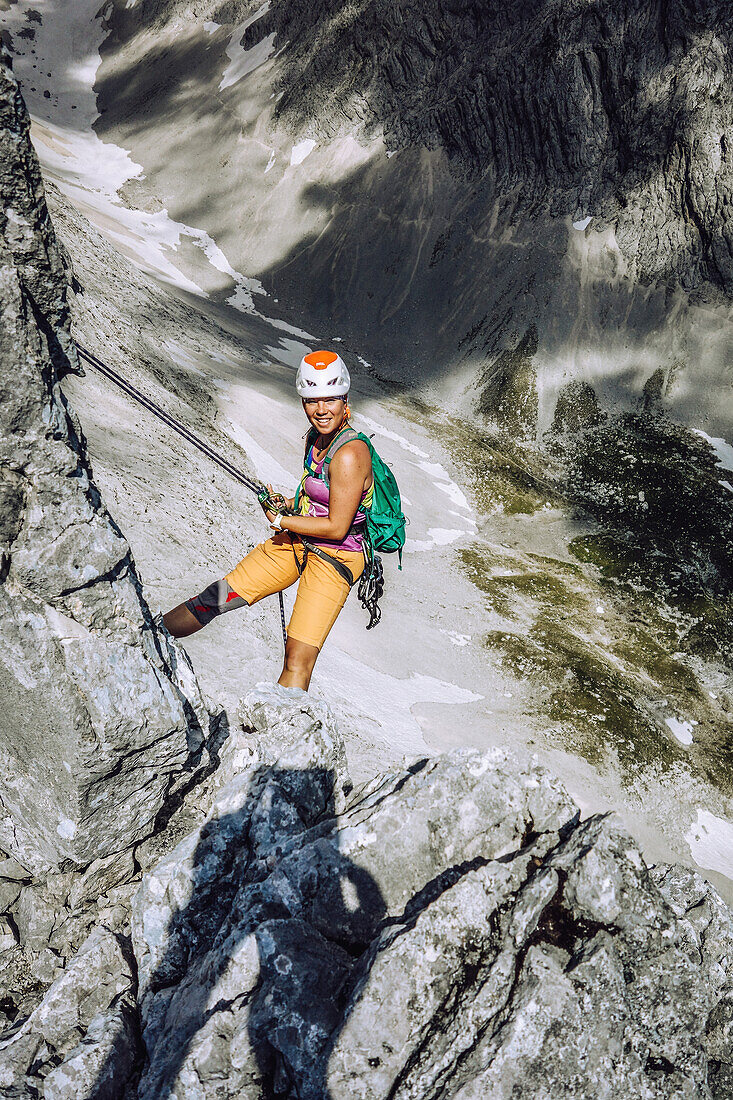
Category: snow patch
[211,28]
[457,639]
[241,299]
[437,536]
[242,62]
[300,151]
[181,356]
[405,444]
[682,730]
[583,223]
[91,172]
[290,352]
[455,493]
[84,72]
[446,484]
[723,450]
[286,327]
[66,828]
[270,162]
[711,843]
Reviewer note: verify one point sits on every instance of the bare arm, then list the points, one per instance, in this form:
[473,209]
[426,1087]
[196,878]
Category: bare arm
[350,473]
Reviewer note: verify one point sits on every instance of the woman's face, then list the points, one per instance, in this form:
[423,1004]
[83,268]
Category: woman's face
[325,413]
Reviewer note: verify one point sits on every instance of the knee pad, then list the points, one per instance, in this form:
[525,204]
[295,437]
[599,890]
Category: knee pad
[214,600]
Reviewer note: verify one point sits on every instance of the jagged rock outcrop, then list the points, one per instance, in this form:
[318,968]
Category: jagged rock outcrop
[613,109]
[559,171]
[452,930]
[101,714]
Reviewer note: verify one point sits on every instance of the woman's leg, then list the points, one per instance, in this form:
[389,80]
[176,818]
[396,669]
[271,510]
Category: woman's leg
[298,664]
[321,594]
[269,567]
[180,622]
[193,614]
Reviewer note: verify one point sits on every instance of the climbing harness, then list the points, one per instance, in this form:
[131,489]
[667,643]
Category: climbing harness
[260,490]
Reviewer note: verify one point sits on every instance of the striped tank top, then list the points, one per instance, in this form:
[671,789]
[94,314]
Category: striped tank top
[314,496]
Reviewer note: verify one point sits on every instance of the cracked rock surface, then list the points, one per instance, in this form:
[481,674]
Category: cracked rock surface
[455,931]
[86,758]
[449,930]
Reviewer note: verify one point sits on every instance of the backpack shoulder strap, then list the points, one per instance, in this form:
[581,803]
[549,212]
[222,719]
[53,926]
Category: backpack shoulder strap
[346,435]
[310,438]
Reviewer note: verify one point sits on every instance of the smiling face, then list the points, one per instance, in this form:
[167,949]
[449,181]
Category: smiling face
[326,414]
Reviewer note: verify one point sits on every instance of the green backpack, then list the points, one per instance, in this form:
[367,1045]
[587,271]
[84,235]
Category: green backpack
[385,519]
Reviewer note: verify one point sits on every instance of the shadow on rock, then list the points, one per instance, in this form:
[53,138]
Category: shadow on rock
[236,984]
[450,930]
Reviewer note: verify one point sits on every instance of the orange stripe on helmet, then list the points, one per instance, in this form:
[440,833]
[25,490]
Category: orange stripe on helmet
[321,359]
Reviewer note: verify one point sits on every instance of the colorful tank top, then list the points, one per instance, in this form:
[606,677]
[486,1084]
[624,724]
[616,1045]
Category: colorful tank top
[314,496]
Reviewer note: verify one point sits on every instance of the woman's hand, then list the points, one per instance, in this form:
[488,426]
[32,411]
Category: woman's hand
[350,473]
[277,498]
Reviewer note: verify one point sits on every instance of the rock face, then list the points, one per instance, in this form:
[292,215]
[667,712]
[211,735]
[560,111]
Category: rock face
[91,1001]
[452,930]
[559,176]
[86,758]
[579,108]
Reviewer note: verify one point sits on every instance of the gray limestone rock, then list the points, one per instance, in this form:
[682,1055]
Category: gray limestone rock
[101,876]
[300,894]
[35,918]
[454,931]
[99,1066]
[85,1017]
[9,893]
[86,758]
[12,870]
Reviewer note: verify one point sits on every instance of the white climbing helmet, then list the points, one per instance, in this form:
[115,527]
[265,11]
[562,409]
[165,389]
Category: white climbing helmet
[322,374]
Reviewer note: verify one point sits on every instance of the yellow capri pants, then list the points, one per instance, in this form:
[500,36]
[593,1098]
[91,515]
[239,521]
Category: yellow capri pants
[271,567]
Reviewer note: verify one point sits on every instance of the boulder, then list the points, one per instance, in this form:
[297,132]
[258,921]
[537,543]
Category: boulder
[455,931]
[247,935]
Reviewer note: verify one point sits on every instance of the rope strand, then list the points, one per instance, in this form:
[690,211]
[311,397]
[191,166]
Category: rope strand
[175,424]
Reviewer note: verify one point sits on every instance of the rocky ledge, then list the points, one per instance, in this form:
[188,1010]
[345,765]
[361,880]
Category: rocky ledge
[449,930]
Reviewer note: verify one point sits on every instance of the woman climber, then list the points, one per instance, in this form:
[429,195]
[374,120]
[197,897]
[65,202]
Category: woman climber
[330,514]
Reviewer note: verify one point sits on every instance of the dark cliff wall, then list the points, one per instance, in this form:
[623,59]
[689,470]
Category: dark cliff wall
[508,123]
[619,110]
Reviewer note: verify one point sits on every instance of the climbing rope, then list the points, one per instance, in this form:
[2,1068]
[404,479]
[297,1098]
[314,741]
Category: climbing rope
[189,436]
